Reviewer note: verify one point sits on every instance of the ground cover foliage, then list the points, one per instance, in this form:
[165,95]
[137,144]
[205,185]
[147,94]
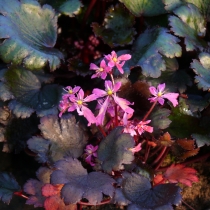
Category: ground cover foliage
[111,98]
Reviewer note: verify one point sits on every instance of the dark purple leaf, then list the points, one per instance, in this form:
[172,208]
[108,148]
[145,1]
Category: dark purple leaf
[114,151]
[139,191]
[8,185]
[78,184]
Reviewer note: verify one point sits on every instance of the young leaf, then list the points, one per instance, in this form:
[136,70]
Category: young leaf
[30,33]
[66,7]
[8,185]
[181,174]
[79,184]
[139,191]
[113,151]
[159,119]
[149,48]
[174,78]
[201,140]
[203,6]
[61,137]
[145,8]
[33,187]
[189,25]
[117,29]
[202,70]
[28,90]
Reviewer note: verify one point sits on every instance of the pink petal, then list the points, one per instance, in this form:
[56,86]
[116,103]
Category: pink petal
[160,100]
[119,67]
[102,112]
[117,86]
[153,91]
[91,97]
[111,63]
[76,89]
[152,99]
[93,66]
[108,57]
[71,108]
[113,53]
[124,57]
[103,64]
[103,75]
[161,87]
[81,94]
[136,149]
[172,97]
[108,85]
[88,115]
[99,93]
[123,103]
[148,128]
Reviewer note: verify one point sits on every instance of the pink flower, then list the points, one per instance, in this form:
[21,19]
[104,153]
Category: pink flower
[90,153]
[129,126]
[142,126]
[110,93]
[79,104]
[64,105]
[117,61]
[159,95]
[136,149]
[100,71]
[71,91]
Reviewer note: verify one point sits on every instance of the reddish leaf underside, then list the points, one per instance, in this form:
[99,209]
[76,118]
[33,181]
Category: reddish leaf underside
[180,173]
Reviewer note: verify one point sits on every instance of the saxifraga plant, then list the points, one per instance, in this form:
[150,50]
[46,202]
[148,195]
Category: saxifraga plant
[102,93]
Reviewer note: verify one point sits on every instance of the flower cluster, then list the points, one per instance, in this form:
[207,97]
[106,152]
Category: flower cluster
[109,103]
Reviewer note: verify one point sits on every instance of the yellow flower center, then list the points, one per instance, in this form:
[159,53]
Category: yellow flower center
[101,69]
[79,102]
[70,91]
[114,59]
[159,94]
[109,92]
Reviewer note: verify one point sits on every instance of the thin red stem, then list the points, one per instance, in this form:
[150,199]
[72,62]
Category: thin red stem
[116,115]
[102,130]
[20,194]
[163,157]
[190,207]
[149,112]
[155,151]
[160,155]
[87,13]
[148,147]
[99,204]
[188,161]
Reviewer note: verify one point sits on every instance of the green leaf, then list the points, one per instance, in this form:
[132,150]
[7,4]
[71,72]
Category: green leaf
[117,28]
[203,6]
[30,33]
[61,137]
[175,79]
[116,143]
[139,191]
[145,8]
[149,48]
[183,124]
[28,90]
[8,185]
[202,70]
[190,25]
[201,140]
[159,119]
[66,7]
[79,184]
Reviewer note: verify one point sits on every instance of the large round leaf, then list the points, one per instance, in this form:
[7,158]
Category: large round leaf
[149,48]
[79,184]
[114,151]
[61,137]
[139,191]
[28,90]
[30,33]
[145,8]
[117,28]
[66,7]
